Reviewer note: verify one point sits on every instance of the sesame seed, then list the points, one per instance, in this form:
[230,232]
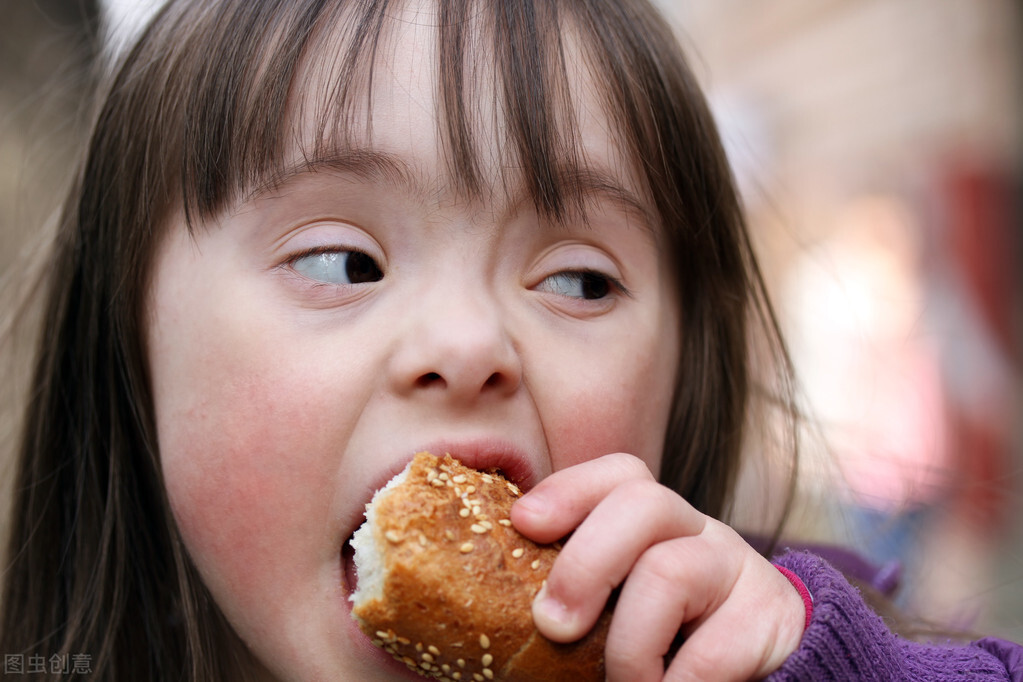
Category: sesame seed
[514,488]
[484,642]
[404,640]
[458,491]
[449,535]
[505,522]
[488,673]
[444,477]
[392,536]
[477,528]
[427,657]
[383,635]
[437,482]
[487,525]
[463,512]
[470,489]
[487,478]
[477,677]
[460,478]
[476,509]
[431,474]
[419,646]
[535,565]
[378,642]
[446,669]
[456,675]
[465,548]
[460,663]
[518,552]
[433,650]
[487,660]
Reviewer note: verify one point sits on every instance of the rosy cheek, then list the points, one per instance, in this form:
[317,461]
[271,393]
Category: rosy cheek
[244,486]
[600,419]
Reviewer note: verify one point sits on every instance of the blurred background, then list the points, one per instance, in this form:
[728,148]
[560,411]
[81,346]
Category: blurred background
[879,149]
[878,145]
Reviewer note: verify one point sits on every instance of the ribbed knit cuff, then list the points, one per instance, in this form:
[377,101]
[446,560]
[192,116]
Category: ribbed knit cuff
[848,641]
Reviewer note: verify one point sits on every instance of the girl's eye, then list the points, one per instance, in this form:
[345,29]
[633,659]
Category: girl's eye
[586,285]
[338,267]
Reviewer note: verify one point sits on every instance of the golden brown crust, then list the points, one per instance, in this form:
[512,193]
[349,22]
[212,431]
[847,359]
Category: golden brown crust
[461,580]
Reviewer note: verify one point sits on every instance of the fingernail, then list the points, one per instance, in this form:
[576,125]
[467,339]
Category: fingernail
[552,617]
[532,504]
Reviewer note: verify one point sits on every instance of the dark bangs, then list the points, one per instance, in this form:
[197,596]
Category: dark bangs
[241,98]
[233,81]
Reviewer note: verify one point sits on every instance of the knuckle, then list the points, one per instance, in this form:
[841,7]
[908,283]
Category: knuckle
[639,492]
[628,467]
[661,565]
[654,498]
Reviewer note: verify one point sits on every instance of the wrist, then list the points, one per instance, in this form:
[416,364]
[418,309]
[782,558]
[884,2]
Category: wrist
[803,591]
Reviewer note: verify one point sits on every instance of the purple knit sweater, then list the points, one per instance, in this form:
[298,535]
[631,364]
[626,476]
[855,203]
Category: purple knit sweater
[848,641]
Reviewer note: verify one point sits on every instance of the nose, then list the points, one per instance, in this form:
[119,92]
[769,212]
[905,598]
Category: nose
[457,346]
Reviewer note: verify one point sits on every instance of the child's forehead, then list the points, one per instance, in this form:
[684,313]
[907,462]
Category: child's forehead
[414,109]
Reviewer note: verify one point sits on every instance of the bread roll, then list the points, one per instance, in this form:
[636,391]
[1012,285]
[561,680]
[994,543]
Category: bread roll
[446,583]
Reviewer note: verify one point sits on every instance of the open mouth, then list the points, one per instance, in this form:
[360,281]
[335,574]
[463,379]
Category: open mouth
[348,570]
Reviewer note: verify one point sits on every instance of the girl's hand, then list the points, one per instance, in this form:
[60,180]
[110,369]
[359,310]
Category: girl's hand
[679,570]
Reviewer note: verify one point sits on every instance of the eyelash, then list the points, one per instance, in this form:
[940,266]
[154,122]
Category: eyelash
[614,285]
[334,252]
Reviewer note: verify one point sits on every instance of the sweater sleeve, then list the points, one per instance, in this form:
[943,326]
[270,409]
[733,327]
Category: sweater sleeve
[848,641]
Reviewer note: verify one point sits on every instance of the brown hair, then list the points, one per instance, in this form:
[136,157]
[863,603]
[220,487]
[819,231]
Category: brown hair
[194,115]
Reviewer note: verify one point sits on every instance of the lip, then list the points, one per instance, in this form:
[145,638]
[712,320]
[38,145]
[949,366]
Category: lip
[514,464]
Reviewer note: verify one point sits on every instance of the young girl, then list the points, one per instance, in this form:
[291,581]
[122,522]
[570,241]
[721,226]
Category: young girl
[310,238]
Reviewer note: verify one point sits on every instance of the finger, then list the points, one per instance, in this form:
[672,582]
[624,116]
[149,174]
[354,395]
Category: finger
[768,613]
[674,582]
[633,517]
[717,650]
[561,501]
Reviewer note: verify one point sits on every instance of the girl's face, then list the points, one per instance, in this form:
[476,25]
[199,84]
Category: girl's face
[309,340]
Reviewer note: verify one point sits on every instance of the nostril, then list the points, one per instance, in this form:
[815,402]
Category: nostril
[493,380]
[429,379]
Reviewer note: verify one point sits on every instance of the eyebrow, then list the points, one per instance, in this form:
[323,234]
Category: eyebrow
[577,183]
[366,164]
